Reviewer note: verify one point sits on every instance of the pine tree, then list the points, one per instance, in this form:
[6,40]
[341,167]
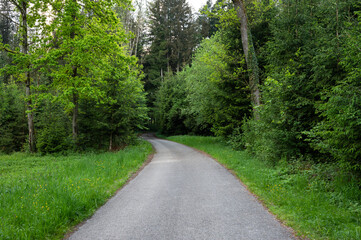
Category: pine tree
[207,26]
[7,33]
[171,42]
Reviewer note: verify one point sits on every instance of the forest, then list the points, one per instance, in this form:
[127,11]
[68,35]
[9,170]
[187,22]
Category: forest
[294,96]
[278,80]
[78,75]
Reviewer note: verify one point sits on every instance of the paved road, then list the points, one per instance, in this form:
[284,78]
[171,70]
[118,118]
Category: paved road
[182,194]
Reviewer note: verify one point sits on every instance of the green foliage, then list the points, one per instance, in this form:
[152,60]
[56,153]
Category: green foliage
[277,134]
[53,128]
[43,197]
[114,123]
[207,25]
[316,200]
[170,105]
[303,56]
[78,62]
[218,95]
[12,118]
[171,39]
[84,53]
[210,96]
[339,134]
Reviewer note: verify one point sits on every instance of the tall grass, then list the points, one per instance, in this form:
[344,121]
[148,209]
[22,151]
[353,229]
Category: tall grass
[316,200]
[41,197]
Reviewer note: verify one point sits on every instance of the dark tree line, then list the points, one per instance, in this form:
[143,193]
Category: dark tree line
[308,59]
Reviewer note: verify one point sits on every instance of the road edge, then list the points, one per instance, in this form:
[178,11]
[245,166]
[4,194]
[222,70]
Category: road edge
[75,228]
[290,229]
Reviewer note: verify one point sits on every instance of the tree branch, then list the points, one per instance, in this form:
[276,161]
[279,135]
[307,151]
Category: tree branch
[4,48]
[16,5]
[9,19]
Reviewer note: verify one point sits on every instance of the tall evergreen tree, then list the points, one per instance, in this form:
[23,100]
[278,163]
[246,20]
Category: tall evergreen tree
[207,25]
[171,41]
[7,33]
[338,134]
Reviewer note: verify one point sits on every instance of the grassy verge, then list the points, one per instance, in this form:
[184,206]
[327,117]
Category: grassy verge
[41,197]
[314,199]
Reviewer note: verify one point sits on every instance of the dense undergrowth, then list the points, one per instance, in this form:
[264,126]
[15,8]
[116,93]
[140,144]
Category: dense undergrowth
[41,197]
[317,200]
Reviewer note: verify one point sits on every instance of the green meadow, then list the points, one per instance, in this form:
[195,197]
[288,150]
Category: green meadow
[43,197]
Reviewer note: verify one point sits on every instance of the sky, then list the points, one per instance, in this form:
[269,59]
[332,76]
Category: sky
[197,4]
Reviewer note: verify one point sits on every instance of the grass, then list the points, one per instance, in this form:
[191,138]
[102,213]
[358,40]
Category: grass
[314,199]
[42,197]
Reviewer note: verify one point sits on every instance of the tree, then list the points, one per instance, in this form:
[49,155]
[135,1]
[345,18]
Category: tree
[171,41]
[304,53]
[338,134]
[32,34]
[207,25]
[7,33]
[210,97]
[88,36]
[115,122]
[217,96]
[156,61]
[249,53]
[170,103]
[12,118]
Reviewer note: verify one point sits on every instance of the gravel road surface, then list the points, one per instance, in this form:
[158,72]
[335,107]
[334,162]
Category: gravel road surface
[182,194]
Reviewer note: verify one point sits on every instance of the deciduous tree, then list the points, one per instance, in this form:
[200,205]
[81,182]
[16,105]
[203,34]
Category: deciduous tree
[88,36]
[249,53]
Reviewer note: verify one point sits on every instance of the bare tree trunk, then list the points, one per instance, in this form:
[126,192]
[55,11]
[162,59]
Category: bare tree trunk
[250,55]
[25,50]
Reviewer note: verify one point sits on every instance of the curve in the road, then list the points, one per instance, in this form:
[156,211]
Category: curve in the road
[182,194]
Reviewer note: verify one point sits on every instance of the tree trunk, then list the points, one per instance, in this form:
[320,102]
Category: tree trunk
[111,141]
[250,56]
[137,42]
[179,60]
[75,93]
[25,45]
[30,115]
[75,117]
[337,35]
